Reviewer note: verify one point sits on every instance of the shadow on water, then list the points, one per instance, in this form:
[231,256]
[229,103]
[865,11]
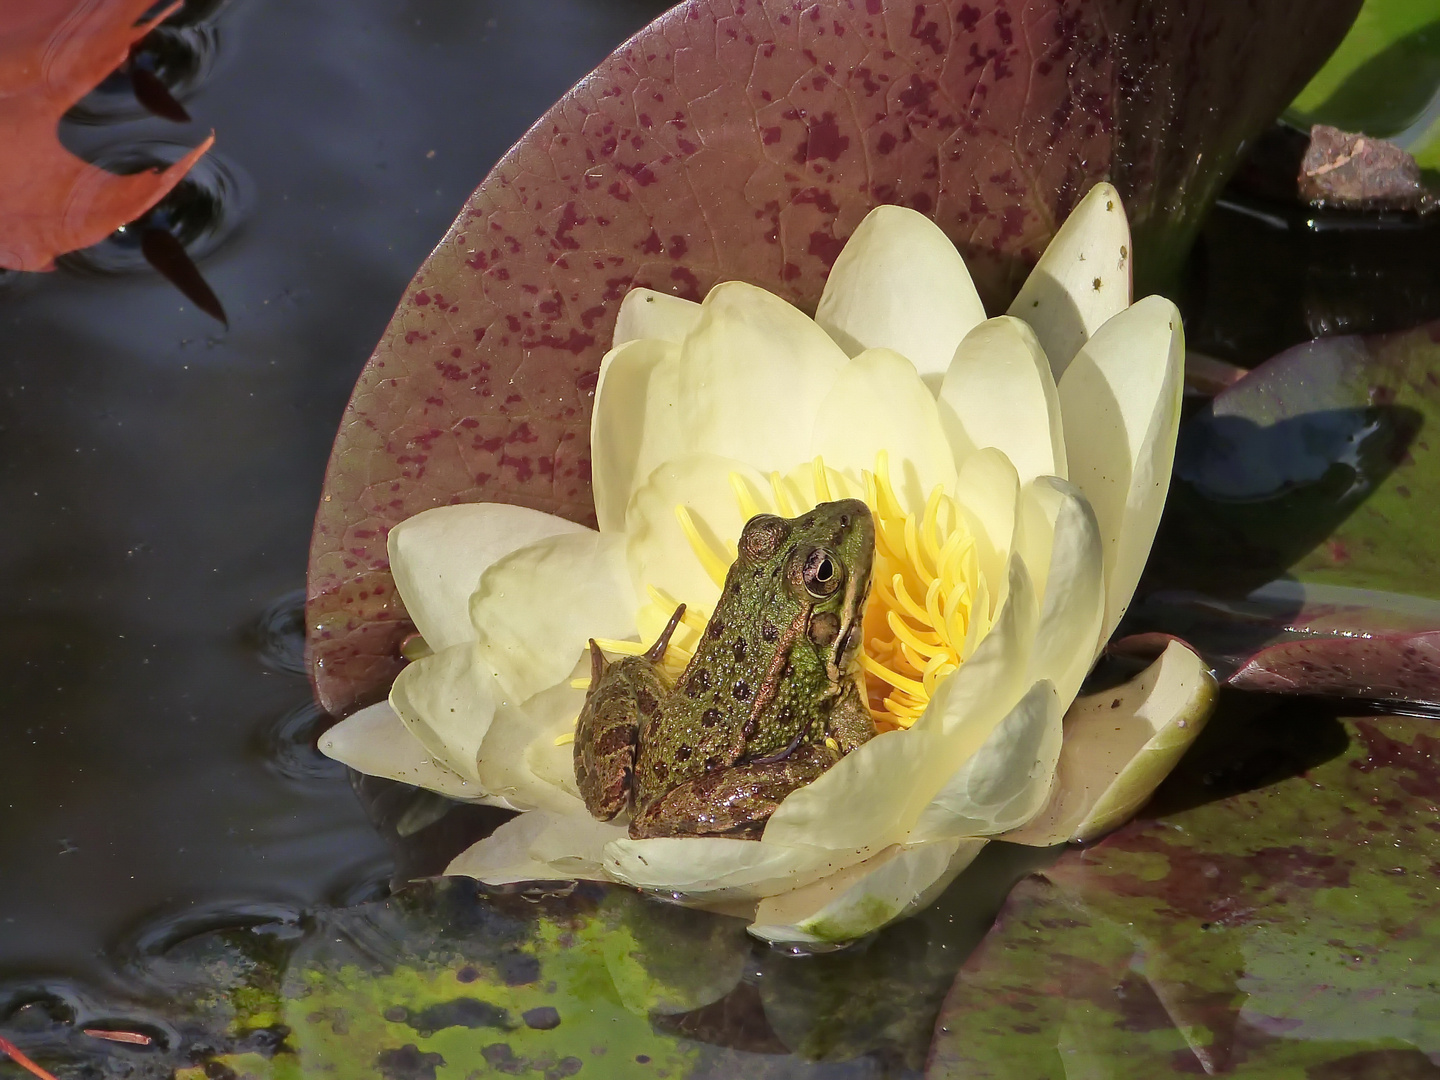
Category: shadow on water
[1251,741]
[1249,499]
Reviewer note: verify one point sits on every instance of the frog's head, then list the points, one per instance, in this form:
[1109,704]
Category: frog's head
[820,563]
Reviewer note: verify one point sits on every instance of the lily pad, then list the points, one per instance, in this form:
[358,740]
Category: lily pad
[1292,929]
[1305,486]
[734,139]
[1384,79]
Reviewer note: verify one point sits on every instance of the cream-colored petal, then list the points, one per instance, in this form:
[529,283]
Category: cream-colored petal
[987,490]
[1081,280]
[710,869]
[538,846]
[900,284]
[998,391]
[645,313]
[437,558]
[862,898]
[1005,782]
[1072,609]
[374,741]
[537,608]
[519,759]
[657,549]
[635,424]
[1121,401]
[1119,746]
[878,402]
[753,373]
[448,701]
[872,797]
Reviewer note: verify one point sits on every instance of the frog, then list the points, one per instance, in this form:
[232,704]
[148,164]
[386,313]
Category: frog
[772,697]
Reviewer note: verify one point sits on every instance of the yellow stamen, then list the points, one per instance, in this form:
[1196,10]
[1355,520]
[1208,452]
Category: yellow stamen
[566,739]
[748,506]
[783,506]
[822,481]
[715,564]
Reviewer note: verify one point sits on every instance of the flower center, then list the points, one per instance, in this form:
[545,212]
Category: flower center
[929,603]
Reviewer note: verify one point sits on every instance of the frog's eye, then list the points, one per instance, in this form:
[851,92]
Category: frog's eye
[822,574]
[763,535]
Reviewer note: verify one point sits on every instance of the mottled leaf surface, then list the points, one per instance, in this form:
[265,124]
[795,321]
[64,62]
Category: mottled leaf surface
[1292,930]
[52,53]
[744,139]
[1309,487]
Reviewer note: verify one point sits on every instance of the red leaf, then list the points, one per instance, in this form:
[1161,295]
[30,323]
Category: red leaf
[53,52]
[745,139]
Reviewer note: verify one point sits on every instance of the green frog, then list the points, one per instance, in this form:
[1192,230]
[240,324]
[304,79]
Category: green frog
[771,699]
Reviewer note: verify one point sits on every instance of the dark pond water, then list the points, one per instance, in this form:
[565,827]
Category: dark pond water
[159,473]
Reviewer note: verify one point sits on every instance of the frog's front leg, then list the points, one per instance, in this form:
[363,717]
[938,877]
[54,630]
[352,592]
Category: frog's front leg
[734,802]
[622,696]
[850,722]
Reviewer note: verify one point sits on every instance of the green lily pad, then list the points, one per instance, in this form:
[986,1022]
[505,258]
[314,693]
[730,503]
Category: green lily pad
[1289,930]
[1307,485]
[1384,79]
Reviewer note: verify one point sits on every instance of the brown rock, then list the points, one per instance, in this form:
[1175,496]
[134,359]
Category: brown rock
[1351,171]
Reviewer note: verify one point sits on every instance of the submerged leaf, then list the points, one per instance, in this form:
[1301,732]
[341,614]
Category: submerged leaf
[748,140]
[52,52]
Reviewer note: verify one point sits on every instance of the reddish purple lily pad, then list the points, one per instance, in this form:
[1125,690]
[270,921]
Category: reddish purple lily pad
[747,139]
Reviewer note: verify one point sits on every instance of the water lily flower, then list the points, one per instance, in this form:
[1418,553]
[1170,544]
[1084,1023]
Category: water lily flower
[1016,468]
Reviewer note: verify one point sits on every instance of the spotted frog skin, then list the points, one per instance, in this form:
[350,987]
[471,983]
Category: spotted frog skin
[772,698]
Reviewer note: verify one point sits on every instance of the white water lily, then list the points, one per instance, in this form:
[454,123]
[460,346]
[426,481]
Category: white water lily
[1016,467]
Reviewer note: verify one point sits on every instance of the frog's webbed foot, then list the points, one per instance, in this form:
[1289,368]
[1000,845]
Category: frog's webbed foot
[734,802]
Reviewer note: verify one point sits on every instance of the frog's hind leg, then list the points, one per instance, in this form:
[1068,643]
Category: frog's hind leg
[623,695]
[734,802]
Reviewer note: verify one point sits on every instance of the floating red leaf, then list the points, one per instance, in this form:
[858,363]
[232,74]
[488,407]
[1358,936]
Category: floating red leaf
[747,139]
[52,53]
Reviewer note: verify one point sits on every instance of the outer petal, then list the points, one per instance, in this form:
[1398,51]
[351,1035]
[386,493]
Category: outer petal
[1082,279]
[998,391]
[1006,781]
[375,741]
[879,403]
[645,313]
[538,846]
[1073,605]
[1121,400]
[519,759]
[635,425]
[753,373]
[536,609]
[437,558]
[715,868]
[448,700]
[900,284]
[656,547]
[873,796]
[1119,745]
[862,898]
